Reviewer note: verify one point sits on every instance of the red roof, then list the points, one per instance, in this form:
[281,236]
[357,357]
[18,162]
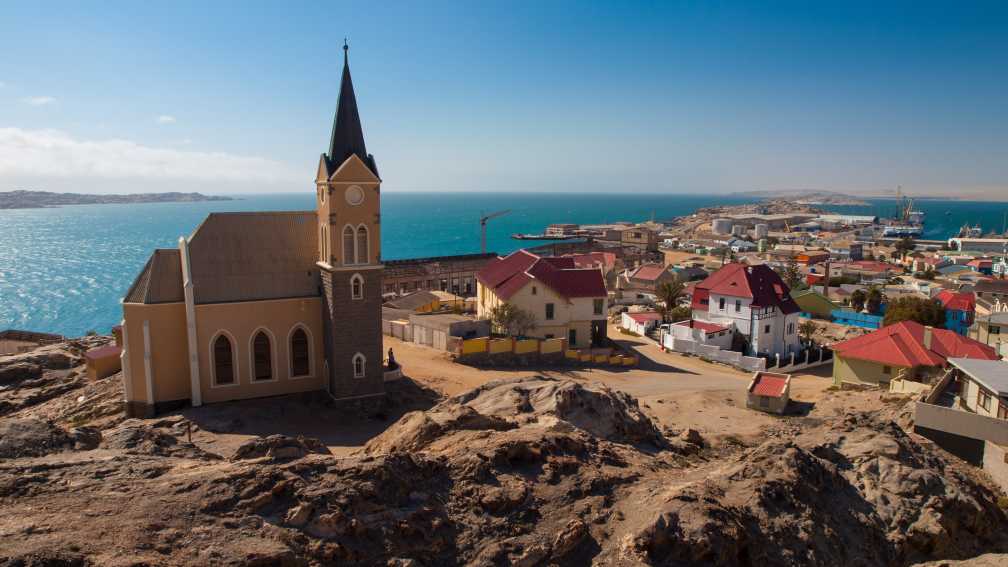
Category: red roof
[644,317]
[770,384]
[649,272]
[902,344]
[607,260]
[759,283]
[872,266]
[709,328]
[980,263]
[957,301]
[103,352]
[506,276]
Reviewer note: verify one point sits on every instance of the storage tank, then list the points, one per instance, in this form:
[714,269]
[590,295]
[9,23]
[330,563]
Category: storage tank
[738,230]
[721,226]
[761,231]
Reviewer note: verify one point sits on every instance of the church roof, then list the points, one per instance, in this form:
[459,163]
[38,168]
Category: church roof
[160,281]
[254,256]
[347,133]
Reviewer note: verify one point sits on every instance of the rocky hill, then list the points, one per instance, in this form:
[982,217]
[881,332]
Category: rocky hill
[527,472]
[38,199]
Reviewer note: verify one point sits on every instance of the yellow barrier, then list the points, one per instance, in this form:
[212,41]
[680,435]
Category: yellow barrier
[526,346]
[550,346]
[616,359]
[573,354]
[473,346]
[500,346]
[629,361]
[601,358]
[586,357]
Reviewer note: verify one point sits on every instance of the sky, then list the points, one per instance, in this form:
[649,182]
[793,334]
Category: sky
[688,97]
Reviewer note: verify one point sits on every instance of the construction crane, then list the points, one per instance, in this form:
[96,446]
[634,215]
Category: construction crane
[483,222]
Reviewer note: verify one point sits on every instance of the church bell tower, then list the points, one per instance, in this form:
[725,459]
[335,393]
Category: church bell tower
[348,199]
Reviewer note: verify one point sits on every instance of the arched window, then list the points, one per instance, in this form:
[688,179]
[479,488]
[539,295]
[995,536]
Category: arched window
[300,360]
[362,245]
[223,361]
[262,357]
[356,287]
[322,242]
[358,365]
[348,246]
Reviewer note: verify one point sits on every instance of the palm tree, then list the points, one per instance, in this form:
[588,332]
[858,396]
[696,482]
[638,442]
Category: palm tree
[669,294]
[874,299]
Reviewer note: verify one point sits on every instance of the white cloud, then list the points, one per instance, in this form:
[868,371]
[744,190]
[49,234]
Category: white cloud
[39,100]
[165,119]
[48,154]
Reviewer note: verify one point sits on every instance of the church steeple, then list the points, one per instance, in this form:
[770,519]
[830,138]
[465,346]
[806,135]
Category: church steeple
[347,133]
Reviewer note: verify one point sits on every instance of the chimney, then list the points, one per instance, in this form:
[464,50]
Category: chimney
[927,337]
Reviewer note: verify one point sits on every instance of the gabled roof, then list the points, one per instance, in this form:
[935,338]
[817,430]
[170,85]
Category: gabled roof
[507,275]
[770,384]
[644,316]
[902,344]
[347,134]
[648,272]
[160,281]
[992,374]
[759,283]
[956,301]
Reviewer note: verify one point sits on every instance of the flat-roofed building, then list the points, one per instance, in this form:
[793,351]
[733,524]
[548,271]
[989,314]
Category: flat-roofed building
[453,274]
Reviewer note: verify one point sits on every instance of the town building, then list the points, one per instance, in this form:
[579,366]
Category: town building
[769,392]
[640,323]
[959,310]
[979,245]
[13,341]
[454,274]
[992,330]
[647,277]
[701,332]
[755,302]
[566,301]
[266,303]
[814,304]
[427,302]
[992,290]
[906,350]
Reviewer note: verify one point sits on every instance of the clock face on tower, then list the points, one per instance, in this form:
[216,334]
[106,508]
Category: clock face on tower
[354,195]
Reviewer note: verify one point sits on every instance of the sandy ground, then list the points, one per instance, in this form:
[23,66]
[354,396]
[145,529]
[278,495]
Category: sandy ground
[680,391]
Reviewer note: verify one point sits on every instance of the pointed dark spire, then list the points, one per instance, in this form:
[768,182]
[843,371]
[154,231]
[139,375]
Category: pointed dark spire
[347,133]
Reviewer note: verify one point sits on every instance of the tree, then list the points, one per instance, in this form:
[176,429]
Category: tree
[928,275]
[669,294]
[910,308]
[511,319]
[792,275]
[904,246]
[874,300]
[857,299]
[681,313]
[807,329]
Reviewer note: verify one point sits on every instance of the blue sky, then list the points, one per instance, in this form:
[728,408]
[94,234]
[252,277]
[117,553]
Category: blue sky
[690,97]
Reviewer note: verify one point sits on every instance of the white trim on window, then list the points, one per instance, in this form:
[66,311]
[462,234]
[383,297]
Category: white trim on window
[358,278]
[311,352]
[234,360]
[359,358]
[273,356]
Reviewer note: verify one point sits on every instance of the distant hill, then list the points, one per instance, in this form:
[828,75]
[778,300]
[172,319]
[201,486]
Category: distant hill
[806,197]
[39,199]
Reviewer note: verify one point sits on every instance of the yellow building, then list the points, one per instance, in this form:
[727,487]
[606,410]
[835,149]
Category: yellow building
[565,301]
[266,303]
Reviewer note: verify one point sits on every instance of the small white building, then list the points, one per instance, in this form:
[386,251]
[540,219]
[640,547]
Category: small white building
[640,323]
[700,332]
[769,392]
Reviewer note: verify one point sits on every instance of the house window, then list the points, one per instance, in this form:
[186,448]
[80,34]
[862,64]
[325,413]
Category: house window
[549,335]
[571,337]
[363,255]
[357,287]
[1002,411]
[599,305]
[887,370]
[766,328]
[262,357]
[738,305]
[358,365]
[995,330]
[223,361]
[299,354]
[721,304]
[790,328]
[348,247]
[549,311]
[534,290]
[983,400]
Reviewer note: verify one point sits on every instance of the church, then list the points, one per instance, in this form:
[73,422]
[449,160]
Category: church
[257,304]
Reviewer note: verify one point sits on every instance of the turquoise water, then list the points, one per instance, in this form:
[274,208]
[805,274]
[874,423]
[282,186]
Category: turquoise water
[64,269]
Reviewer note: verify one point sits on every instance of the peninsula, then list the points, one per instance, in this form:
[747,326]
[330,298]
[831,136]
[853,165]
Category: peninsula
[39,199]
[809,197]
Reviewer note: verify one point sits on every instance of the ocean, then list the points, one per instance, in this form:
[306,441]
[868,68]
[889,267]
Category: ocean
[63,270]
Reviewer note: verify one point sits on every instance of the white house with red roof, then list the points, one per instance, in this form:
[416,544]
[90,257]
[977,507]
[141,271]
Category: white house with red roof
[906,349]
[567,301]
[755,302]
[701,332]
